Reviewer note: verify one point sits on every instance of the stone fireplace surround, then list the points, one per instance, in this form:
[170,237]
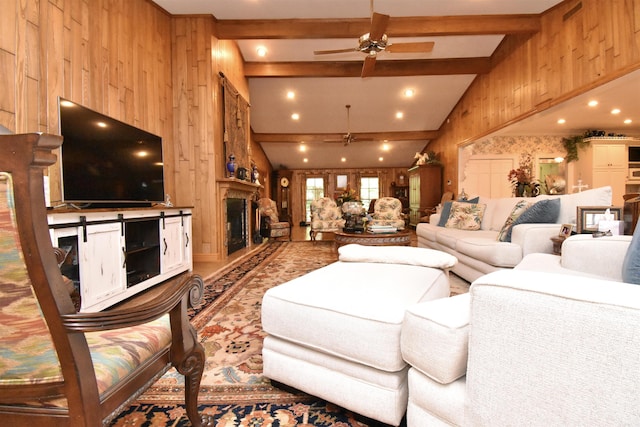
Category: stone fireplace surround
[236,189]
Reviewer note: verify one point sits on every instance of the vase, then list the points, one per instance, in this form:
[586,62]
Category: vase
[520,189]
[231,166]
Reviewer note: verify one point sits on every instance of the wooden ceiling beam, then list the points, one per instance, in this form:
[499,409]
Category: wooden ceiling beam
[322,137]
[426,26]
[384,68]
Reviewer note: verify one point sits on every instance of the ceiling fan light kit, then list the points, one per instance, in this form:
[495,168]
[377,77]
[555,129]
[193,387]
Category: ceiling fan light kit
[376,41]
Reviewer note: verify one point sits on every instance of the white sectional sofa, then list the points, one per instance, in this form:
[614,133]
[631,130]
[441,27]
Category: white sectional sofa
[551,342]
[480,252]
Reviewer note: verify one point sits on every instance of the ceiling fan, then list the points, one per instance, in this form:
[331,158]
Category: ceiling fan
[376,41]
[348,138]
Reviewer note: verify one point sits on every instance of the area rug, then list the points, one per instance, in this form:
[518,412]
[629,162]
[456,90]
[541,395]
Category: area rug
[233,389]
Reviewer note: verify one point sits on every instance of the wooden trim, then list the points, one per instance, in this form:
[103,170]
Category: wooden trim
[232,29]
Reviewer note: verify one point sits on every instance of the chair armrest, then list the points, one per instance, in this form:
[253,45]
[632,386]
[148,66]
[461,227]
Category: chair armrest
[602,256]
[171,296]
[535,336]
[535,238]
[435,337]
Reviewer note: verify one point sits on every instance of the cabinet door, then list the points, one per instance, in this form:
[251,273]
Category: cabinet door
[172,243]
[102,270]
[610,155]
[616,178]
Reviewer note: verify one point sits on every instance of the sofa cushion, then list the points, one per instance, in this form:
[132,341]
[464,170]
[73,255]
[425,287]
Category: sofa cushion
[541,212]
[631,263]
[466,216]
[446,210]
[517,210]
[490,251]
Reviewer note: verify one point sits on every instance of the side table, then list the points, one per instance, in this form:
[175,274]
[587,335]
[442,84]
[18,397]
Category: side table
[557,244]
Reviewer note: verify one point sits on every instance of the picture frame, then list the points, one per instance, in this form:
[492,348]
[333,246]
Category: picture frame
[587,217]
[565,230]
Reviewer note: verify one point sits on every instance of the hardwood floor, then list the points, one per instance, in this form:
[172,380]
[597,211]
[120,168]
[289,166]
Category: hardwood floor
[298,234]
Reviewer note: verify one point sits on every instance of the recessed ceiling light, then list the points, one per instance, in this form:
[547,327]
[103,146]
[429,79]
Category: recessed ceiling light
[295,116]
[628,121]
[399,115]
[615,111]
[261,51]
[380,159]
[291,94]
[385,147]
[592,103]
[344,159]
[303,148]
[561,121]
[409,93]
[305,160]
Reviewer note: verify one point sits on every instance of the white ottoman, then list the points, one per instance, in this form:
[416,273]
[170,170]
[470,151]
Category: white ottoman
[335,332]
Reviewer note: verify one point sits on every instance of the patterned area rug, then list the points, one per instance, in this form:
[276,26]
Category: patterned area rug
[233,389]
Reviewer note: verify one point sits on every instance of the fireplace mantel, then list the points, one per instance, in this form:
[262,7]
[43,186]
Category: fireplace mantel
[227,185]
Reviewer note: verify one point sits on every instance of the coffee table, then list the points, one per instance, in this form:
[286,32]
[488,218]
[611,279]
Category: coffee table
[400,238]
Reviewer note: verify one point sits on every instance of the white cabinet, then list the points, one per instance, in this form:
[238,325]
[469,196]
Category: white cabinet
[101,262]
[604,162]
[113,255]
[175,243]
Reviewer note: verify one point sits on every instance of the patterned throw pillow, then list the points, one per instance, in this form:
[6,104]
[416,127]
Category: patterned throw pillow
[517,210]
[446,210]
[542,212]
[466,216]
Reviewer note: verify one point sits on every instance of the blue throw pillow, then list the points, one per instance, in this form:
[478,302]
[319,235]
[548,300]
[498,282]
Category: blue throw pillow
[444,214]
[446,210]
[631,263]
[542,212]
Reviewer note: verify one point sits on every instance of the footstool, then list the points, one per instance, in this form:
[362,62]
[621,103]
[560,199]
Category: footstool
[334,333]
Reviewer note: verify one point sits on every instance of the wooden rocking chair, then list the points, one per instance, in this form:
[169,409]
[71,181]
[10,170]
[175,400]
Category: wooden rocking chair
[59,367]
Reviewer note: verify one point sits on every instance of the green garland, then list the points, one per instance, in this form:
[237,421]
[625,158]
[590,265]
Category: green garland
[571,144]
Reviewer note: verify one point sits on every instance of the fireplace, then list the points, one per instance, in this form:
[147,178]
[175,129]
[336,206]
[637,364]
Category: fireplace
[236,225]
[236,213]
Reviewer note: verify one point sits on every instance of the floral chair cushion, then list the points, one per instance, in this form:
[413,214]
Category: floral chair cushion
[326,215]
[388,211]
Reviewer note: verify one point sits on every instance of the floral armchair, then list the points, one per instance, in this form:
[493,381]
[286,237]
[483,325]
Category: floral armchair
[388,211]
[270,224]
[326,216]
[67,368]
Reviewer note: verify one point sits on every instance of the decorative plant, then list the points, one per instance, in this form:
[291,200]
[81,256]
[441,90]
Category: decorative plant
[571,144]
[349,195]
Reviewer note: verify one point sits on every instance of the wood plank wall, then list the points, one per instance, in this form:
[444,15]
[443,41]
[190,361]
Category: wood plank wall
[130,60]
[570,55]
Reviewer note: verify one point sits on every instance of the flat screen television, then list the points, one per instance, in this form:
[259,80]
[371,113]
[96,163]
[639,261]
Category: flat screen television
[106,162]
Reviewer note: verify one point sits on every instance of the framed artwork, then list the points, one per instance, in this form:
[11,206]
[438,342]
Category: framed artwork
[565,230]
[341,182]
[588,217]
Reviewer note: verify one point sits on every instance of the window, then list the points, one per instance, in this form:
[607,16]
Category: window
[314,190]
[369,190]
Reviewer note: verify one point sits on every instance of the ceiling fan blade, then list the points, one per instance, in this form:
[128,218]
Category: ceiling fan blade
[417,47]
[379,24]
[368,66]
[326,52]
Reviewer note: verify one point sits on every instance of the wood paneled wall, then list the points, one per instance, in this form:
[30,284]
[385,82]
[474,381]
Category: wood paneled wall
[131,60]
[113,56]
[570,55]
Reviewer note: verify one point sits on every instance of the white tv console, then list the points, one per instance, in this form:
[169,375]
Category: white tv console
[115,254]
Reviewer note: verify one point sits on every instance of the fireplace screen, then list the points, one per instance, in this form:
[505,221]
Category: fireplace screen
[236,224]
